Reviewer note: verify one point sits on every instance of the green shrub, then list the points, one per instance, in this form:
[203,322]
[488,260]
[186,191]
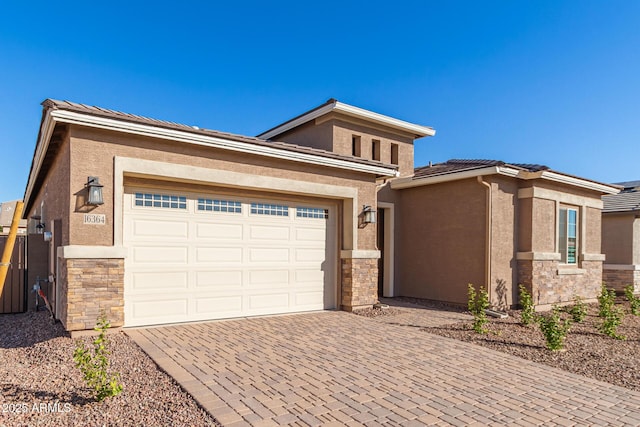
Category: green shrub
[612,319]
[578,311]
[634,301]
[477,304]
[554,329]
[94,366]
[607,300]
[528,314]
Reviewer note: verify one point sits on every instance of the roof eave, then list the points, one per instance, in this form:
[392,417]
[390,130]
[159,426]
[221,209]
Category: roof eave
[53,116]
[417,130]
[410,182]
[572,180]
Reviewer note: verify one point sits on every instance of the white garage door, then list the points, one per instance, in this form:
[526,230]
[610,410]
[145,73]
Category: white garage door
[201,256]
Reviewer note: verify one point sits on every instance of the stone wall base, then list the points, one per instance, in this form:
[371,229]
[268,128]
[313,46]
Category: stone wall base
[89,287]
[550,283]
[359,283]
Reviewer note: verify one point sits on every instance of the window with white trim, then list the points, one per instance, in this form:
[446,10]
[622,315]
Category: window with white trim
[165,201]
[568,235]
[217,205]
[319,213]
[269,209]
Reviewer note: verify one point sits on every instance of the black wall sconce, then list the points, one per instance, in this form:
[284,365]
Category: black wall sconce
[368,215]
[38,225]
[94,188]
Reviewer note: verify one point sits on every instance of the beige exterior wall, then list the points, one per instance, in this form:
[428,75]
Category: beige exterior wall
[343,131]
[93,153]
[440,240]
[310,135]
[504,193]
[52,200]
[618,238]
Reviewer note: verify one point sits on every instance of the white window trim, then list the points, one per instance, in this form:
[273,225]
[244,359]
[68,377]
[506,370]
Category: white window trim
[579,233]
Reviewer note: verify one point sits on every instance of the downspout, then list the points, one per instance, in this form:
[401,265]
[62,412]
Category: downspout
[487,256]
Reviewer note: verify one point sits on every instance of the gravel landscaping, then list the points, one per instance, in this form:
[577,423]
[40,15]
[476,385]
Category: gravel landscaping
[42,387]
[587,351]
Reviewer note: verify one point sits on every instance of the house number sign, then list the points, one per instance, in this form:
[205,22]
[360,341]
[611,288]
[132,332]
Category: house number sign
[95,219]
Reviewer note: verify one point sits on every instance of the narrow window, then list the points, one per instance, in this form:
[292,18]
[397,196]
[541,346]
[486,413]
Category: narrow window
[394,154]
[568,235]
[375,149]
[355,146]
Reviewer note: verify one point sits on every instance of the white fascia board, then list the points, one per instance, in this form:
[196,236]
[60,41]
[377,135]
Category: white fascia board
[574,181]
[354,112]
[42,145]
[71,117]
[409,182]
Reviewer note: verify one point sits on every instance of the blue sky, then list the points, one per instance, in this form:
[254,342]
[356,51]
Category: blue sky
[546,82]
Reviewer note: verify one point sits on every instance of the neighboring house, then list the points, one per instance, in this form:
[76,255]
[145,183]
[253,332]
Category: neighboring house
[195,224]
[6,218]
[621,237]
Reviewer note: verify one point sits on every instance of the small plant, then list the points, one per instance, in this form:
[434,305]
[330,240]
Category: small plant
[578,311]
[527,316]
[634,301]
[477,304]
[554,329]
[607,300]
[612,319]
[94,365]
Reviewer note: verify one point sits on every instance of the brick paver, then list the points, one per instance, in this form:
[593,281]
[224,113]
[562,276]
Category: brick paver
[334,368]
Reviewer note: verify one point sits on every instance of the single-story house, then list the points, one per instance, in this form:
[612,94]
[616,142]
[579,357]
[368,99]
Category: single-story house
[7,209]
[621,237]
[156,222]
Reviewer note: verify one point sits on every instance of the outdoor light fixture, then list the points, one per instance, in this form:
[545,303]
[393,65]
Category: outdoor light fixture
[40,228]
[368,214]
[95,191]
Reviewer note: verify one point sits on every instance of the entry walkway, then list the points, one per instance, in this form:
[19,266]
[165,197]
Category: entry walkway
[335,368]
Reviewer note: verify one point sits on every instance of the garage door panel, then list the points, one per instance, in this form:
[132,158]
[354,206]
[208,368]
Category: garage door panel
[219,231]
[163,280]
[313,299]
[160,255]
[308,234]
[160,229]
[192,264]
[310,255]
[269,301]
[261,232]
[268,278]
[269,254]
[218,279]
[220,255]
[151,310]
[309,275]
[218,307]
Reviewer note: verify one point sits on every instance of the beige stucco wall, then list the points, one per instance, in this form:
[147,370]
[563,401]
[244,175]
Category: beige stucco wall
[504,193]
[93,153]
[343,131]
[52,200]
[311,135]
[543,228]
[440,240]
[617,238]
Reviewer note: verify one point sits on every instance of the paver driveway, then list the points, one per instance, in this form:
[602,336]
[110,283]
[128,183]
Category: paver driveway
[334,368]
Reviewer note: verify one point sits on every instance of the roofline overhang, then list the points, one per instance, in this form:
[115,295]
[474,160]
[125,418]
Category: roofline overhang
[409,182]
[55,116]
[349,110]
